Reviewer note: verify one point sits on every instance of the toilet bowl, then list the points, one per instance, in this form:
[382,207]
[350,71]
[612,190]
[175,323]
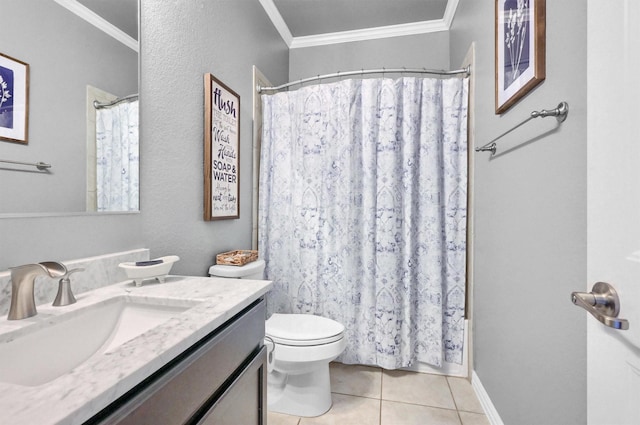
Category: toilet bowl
[301,346]
[304,345]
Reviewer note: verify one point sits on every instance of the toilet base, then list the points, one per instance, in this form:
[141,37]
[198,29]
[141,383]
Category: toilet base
[307,394]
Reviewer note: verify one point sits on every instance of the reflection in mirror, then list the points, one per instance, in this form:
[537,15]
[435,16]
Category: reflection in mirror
[75,56]
[112,152]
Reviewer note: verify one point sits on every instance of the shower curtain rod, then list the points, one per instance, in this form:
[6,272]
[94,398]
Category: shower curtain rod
[466,71]
[99,105]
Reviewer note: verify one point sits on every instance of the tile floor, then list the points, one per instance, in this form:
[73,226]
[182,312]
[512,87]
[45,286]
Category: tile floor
[365,395]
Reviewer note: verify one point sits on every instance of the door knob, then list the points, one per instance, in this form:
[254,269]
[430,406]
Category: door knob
[603,304]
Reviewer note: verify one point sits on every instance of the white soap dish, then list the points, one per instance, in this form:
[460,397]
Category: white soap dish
[158,271]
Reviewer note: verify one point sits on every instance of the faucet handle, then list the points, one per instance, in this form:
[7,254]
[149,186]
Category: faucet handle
[68,273]
[65,295]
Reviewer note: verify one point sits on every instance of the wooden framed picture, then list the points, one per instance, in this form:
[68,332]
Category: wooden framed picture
[520,49]
[221,151]
[14,100]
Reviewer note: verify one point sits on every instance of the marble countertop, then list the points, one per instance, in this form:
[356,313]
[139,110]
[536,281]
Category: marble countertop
[75,397]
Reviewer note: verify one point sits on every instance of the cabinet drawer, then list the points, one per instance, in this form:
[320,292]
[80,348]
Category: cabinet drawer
[176,393]
[244,400]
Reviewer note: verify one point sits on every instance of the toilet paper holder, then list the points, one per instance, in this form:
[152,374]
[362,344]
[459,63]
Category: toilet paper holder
[270,349]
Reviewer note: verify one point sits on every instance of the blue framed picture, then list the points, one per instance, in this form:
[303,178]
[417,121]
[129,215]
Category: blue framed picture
[520,49]
[14,100]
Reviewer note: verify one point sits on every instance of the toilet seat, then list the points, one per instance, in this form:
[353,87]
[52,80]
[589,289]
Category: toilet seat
[302,329]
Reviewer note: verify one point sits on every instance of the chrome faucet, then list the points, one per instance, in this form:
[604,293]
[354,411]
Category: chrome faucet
[23,303]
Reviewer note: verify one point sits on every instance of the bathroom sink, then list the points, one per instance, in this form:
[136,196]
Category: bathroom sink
[53,347]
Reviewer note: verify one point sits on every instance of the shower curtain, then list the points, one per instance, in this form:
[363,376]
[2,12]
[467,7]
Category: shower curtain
[117,153]
[362,213]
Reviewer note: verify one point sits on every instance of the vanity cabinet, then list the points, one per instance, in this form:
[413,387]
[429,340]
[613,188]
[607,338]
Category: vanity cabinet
[220,380]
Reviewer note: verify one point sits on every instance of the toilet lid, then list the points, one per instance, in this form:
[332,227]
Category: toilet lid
[302,329]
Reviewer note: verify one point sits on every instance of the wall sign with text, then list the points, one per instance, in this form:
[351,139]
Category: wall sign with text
[221,151]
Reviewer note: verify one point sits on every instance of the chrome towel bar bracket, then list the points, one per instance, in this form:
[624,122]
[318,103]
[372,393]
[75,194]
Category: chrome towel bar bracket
[560,113]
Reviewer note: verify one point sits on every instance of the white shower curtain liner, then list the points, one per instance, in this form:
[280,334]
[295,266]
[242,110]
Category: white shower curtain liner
[117,157]
[362,213]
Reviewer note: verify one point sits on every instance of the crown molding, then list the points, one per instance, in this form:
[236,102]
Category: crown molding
[412,28]
[369,34]
[277,20]
[100,23]
[450,13]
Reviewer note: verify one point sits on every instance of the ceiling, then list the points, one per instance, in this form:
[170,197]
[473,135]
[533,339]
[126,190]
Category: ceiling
[121,13]
[304,23]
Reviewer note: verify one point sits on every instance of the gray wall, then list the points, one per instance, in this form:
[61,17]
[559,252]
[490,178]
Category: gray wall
[530,226]
[416,51]
[34,239]
[530,203]
[65,53]
[181,41]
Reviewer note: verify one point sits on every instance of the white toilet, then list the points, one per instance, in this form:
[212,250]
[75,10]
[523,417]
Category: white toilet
[302,346]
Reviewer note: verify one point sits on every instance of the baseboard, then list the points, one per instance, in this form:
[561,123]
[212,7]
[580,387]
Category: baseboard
[485,401]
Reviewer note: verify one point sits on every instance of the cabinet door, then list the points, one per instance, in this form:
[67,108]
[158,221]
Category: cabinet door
[244,401]
[177,393]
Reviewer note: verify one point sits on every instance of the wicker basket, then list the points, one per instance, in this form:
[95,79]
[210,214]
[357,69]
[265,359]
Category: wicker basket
[237,258]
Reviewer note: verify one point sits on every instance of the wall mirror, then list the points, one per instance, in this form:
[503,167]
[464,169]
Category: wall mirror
[78,51]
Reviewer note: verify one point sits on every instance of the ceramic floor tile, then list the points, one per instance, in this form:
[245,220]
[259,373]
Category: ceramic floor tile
[417,388]
[394,413]
[464,395]
[357,380]
[274,418]
[348,410]
[473,419]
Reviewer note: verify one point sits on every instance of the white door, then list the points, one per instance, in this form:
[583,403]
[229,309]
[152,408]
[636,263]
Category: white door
[613,182]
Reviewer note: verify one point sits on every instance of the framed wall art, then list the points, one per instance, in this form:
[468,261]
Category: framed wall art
[520,49]
[14,100]
[221,151]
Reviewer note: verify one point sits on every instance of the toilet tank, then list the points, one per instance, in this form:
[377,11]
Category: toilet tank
[252,270]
